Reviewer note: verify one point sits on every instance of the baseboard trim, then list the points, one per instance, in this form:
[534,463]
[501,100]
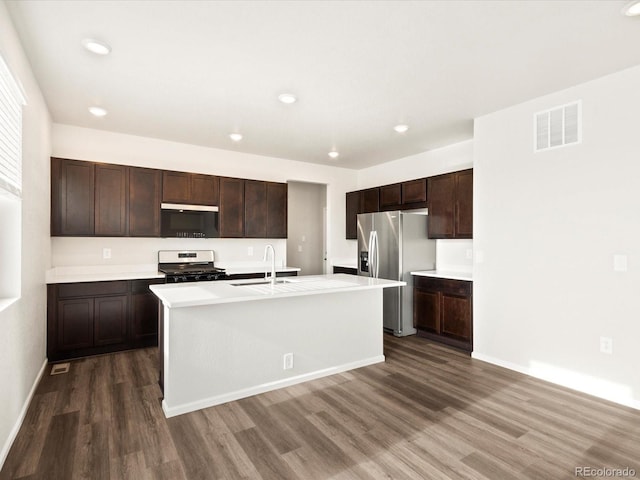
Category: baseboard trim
[23,413]
[265,387]
[574,382]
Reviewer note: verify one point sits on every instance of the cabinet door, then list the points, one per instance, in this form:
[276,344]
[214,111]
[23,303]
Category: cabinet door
[391,196]
[414,191]
[441,205]
[255,209]
[75,323]
[426,310]
[176,187]
[353,200]
[231,207]
[110,320]
[144,319]
[456,317]
[464,204]
[277,210]
[72,197]
[145,186]
[370,200]
[204,189]
[111,198]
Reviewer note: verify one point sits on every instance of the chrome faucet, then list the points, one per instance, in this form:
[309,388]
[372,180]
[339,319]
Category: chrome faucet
[273,263]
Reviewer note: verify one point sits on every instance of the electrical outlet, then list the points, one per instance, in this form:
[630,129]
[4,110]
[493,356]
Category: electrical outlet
[287,361]
[606,345]
[299,248]
[106,253]
[250,251]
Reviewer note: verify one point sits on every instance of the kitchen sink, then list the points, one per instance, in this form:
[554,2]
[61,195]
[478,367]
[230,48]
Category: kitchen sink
[259,282]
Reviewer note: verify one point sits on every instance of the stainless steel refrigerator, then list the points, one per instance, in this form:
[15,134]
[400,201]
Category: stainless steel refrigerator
[391,245]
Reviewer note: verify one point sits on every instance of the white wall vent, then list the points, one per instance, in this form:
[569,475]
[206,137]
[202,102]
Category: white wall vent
[558,127]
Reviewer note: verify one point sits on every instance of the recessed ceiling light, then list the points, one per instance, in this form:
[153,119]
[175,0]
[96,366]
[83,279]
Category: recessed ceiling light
[401,128]
[97,111]
[236,137]
[96,46]
[333,154]
[632,9]
[287,98]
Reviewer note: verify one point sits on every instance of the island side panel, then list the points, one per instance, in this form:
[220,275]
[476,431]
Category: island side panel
[222,352]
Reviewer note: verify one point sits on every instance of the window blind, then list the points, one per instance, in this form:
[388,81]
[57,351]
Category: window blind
[11,102]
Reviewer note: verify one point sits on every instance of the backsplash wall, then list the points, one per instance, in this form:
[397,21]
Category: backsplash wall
[454,255]
[82,251]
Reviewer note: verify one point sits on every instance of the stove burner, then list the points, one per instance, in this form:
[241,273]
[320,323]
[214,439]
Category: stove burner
[177,270]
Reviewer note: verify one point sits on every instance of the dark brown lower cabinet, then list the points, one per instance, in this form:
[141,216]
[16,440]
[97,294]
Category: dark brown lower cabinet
[92,318]
[442,311]
[144,314]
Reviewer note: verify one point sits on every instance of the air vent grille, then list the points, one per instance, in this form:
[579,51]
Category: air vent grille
[558,127]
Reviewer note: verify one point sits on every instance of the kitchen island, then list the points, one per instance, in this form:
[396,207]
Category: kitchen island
[222,341]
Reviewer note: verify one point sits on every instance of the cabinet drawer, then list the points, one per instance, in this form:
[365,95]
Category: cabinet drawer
[445,285]
[91,289]
[142,286]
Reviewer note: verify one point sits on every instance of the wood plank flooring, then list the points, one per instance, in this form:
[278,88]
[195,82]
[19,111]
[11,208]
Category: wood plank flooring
[426,413]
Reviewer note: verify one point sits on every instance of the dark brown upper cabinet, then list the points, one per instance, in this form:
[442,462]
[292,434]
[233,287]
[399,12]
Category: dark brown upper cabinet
[255,209]
[231,207]
[404,195]
[464,204]
[450,205]
[190,188]
[353,201]
[265,209]
[72,197]
[414,192]
[111,200]
[360,201]
[145,193]
[391,197]
[371,200]
[277,207]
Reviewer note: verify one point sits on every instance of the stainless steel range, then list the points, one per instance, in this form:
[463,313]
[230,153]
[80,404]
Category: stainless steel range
[189,266]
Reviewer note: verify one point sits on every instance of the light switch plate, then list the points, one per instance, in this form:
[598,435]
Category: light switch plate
[619,263]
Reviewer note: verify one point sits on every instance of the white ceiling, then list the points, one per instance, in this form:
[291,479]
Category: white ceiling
[194,71]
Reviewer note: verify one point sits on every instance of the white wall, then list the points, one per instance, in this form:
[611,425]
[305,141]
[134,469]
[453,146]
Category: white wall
[434,162]
[546,227]
[23,324]
[305,247]
[101,146]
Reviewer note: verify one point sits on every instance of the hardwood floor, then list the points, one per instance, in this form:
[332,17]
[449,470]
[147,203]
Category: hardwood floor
[427,412]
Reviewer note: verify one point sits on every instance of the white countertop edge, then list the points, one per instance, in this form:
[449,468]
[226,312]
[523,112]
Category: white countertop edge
[107,273]
[345,265]
[465,276]
[222,292]
[101,273]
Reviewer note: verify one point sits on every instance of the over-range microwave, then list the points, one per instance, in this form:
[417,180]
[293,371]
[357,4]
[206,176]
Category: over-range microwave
[189,221]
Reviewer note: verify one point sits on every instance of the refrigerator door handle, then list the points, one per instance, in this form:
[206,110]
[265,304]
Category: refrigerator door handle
[371,252]
[376,255]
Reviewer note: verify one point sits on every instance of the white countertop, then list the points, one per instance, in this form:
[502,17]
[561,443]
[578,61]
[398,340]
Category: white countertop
[102,273]
[211,293]
[466,276]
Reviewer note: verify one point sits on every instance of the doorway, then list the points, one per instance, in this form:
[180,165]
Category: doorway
[306,237]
